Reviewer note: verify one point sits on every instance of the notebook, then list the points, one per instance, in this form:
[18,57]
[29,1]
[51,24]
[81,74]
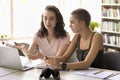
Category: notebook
[9,58]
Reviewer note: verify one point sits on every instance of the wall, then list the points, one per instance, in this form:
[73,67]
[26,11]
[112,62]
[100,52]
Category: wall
[94,7]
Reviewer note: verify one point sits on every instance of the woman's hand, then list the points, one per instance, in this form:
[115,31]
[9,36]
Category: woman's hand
[35,56]
[51,61]
[19,45]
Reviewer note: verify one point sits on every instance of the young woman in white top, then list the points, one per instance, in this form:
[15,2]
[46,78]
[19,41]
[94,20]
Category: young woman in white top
[51,39]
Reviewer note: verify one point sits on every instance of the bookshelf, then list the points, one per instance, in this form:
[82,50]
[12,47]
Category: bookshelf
[110,24]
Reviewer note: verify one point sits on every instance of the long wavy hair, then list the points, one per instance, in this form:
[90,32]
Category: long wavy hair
[59,30]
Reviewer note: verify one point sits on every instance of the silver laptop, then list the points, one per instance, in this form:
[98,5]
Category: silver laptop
[9,57]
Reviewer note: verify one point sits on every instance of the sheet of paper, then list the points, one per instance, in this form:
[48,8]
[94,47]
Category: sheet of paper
[101,74]
[41,66]
[98,73]
[36,63]
[114,77]
[26,61]
[84,72]
[6,71]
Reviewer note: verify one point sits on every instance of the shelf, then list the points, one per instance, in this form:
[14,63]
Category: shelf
[110,32]
[110,27]
[110,18]
[110,4]
[112,46]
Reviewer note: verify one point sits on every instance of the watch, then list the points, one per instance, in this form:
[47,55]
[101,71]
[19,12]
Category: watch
[64,66]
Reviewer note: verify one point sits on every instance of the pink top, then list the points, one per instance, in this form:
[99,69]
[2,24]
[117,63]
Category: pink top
[50,49]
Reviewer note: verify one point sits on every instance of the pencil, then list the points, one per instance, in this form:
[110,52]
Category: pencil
[98,72]
[45,57]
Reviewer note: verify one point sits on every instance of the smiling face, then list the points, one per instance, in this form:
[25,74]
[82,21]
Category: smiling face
[49,20]
[74,24]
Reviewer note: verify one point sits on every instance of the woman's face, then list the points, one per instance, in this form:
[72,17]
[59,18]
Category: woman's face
[74,24]
[49,20]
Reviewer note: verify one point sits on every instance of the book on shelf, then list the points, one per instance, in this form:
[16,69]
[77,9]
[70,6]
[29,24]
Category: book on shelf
[111,12]
[110,27]
[111,39]
[113,26]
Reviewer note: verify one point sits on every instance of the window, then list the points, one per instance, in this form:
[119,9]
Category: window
[21,18]
[5,26]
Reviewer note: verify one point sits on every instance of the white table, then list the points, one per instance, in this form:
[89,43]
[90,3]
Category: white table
[33,74]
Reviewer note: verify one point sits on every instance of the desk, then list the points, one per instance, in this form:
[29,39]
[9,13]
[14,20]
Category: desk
[33,74]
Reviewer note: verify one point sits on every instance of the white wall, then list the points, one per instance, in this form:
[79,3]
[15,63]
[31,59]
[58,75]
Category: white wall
[94,7]
[66,7]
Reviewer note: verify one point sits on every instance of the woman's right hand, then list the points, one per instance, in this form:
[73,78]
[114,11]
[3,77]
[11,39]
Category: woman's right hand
[19,45]
[52,61]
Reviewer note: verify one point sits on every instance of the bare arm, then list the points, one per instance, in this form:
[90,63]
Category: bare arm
[34,52]
[31,52]
[62,50]
[96,45]
[71,48]
[64,46]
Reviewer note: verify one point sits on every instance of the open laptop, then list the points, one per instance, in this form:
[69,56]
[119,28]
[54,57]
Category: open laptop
[9,58]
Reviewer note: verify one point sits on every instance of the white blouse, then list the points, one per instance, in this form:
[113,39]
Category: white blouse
[50,48]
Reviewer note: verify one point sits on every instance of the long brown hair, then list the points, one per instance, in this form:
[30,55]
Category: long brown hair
[59,30]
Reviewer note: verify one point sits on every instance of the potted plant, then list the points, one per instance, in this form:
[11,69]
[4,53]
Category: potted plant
[93,25]
[2,37]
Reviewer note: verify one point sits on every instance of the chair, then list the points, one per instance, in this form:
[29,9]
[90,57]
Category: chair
[20,52]
[112,60]
[73,58]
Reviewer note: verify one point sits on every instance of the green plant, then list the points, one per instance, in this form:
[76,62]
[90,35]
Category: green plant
[2,37]
[93,24]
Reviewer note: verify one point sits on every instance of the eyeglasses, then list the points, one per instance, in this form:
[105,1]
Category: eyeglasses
[47,72]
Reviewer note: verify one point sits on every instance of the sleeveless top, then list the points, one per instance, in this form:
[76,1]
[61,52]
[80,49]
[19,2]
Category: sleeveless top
[81,54]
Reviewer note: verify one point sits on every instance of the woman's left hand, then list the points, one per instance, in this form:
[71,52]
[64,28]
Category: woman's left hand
[34,57]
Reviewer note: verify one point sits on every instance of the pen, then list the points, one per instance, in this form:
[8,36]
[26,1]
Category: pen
[113,75]
[45,57]
[98,72]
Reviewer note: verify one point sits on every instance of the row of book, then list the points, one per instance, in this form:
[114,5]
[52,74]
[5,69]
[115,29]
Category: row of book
[111,1]
[111,12]
[111,39]
[109,25]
